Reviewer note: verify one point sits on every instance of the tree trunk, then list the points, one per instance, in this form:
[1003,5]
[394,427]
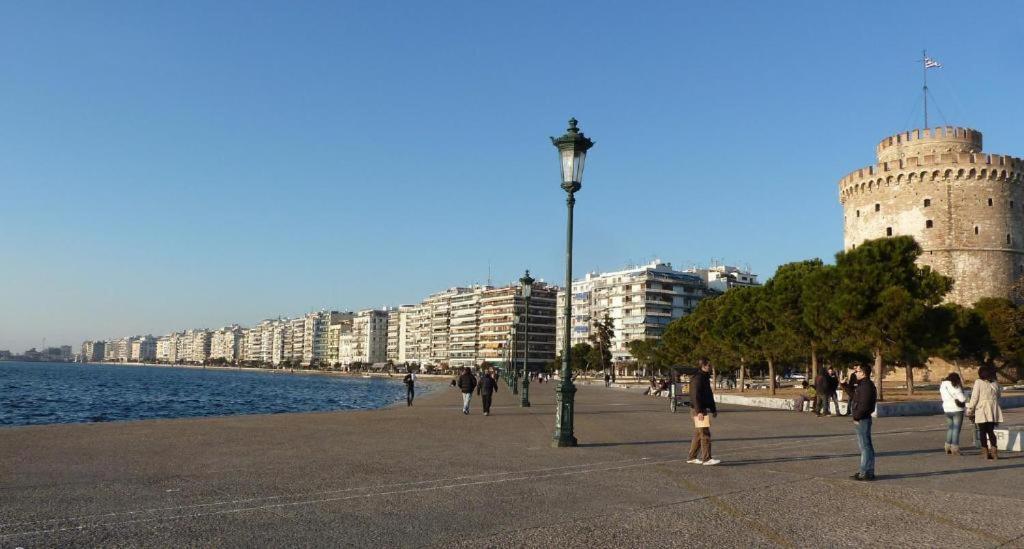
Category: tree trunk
[714,377]
[814,363]
[878,373]
[743,371]
[910,379]
[771,377]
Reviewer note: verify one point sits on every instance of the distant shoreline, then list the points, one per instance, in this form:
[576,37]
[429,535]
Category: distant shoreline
[268,370]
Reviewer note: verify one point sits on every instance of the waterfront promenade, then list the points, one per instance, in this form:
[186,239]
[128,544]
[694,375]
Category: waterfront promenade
[429,476]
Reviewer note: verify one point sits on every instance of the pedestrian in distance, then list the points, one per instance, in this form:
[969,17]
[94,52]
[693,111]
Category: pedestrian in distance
[410,387]
[607,380]
[821,390]
[951,391]
[702,399]
[467,382]
[486,388]
[848,389]
[831,397]
[863,404]
[984,408]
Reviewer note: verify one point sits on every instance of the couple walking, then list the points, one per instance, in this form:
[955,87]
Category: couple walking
[486,388]
[983,409]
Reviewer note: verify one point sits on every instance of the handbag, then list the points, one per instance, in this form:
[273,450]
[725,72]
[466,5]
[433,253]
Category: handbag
[699,424]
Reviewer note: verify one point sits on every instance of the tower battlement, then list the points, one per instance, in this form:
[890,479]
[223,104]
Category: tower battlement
[944,139]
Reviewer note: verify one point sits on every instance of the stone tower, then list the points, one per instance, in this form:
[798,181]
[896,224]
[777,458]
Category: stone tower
[964,207]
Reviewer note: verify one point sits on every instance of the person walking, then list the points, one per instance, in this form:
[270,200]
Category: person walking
[952,393]
[410,387]
[607,379]
[467,382]
[863,404]
[984,408]
[821,392]
[486,389]
[703,402]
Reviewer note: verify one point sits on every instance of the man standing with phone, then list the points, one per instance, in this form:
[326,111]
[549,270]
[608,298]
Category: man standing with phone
[863,405]
[703,402]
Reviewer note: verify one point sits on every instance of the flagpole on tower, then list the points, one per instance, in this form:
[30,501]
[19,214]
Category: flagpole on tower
[924,74]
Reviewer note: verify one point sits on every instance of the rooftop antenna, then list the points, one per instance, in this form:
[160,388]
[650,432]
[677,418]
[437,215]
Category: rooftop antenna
[488,272]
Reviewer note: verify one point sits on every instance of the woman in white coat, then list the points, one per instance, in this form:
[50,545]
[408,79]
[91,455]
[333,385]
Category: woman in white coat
[984,408]
[952,392]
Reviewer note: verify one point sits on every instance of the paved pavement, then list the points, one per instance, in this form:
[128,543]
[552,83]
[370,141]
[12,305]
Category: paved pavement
[429,476]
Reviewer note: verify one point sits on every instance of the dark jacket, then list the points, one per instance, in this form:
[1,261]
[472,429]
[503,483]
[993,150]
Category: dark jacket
[833,383]
[467,382]
[701,398]
[821,384]
[487,386]
[863,402]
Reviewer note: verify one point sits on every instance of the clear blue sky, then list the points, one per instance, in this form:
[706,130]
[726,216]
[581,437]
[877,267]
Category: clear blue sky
[166,165]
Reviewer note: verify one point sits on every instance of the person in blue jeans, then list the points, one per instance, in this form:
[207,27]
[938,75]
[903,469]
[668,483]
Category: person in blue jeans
[953,402]
[863,403]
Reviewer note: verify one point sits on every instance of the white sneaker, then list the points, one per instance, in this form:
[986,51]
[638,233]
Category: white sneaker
[712,462]
[694,461]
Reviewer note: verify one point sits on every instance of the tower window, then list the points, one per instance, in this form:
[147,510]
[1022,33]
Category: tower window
[975,229]
[927,202]
[989,201]
[1009,240]
[878,207]
[928,224]
[888,231]
[858,213]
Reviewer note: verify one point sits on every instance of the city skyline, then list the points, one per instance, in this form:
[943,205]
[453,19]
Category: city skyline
[156,178]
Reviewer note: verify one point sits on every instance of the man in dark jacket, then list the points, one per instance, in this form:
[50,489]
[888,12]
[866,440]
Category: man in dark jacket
[703,402]
[821,394]
[863,405]
[486,389]
[467,382]
[831,397]
[410,387]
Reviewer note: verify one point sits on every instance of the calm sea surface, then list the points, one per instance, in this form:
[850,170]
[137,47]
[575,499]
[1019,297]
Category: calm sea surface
[34,393]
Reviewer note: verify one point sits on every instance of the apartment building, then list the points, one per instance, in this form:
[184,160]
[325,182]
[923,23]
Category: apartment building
[720,278]
[93,351]
[367,340]
[226,343]
[503,326]
[464,326]
[640,301]
[143,348]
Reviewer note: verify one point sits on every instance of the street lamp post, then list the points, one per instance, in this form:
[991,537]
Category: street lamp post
[572,151]
[512,364]
[527,284]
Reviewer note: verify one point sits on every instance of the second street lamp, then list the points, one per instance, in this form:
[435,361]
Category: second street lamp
[572,151]
[527,284]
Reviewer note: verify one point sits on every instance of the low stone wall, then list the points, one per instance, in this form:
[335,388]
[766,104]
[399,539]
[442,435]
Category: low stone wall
[884,409]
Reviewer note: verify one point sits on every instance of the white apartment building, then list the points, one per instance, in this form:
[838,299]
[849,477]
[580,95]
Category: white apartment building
[640,301]
[143,348]
[226,343]
[464,327]
[93,351]
[721,278]
[368,339]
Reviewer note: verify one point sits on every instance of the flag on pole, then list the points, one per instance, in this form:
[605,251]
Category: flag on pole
[930,63]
